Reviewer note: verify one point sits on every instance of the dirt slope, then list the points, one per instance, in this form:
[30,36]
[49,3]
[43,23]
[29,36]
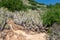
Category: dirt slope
[21,35]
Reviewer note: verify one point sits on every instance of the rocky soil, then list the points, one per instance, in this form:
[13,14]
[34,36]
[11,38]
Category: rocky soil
[55,32]
[9,35]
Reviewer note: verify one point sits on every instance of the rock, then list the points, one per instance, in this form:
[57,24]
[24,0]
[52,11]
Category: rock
[55,32]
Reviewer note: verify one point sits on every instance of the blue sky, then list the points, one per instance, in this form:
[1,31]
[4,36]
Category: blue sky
[48,1]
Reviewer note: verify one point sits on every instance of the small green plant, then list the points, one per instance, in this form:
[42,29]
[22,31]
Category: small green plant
[33,2]
[32,7]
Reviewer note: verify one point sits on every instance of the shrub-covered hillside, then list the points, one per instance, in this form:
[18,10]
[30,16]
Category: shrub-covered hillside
[32,15]
[24,12]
